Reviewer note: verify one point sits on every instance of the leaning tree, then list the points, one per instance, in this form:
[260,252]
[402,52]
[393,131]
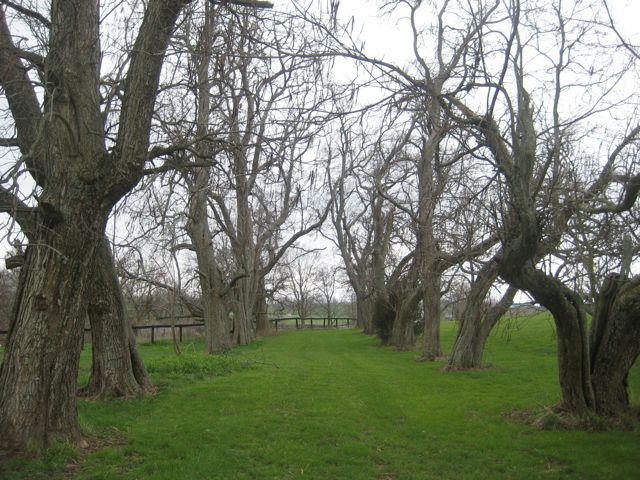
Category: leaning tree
[531,142]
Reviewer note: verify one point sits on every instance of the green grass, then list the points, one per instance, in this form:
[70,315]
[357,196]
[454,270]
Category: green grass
[333,405]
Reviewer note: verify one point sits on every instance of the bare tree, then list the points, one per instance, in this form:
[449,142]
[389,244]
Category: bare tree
[531,158]
[79,177]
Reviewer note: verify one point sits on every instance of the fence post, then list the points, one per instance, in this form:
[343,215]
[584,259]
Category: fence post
[180,330]
[311,323]
[152,334]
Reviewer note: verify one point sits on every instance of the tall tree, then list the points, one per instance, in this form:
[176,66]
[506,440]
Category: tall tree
[79,180]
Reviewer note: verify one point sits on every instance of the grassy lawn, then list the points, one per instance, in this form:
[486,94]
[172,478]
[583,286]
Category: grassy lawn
[333,405]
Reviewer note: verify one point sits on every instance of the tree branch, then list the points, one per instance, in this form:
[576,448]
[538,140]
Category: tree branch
[27,12]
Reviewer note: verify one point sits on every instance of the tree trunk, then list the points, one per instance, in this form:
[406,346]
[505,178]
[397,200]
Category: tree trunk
[137,365]
[364,313]
[570,320]
[431,348]
[112,370]
[615,343]
[40,368]
[403,335]
[263,327]
[476,324]
[244,302]
[78,183]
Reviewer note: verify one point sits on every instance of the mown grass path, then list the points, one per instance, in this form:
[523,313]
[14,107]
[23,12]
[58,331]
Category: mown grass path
[334,405]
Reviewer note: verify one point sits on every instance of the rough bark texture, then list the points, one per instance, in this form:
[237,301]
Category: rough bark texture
[40,367]
[79,183]
[244,302]
[214,312]
[615,343]
[112,373]
[477,319]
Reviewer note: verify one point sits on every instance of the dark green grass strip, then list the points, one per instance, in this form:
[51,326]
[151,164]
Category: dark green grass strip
[334,405]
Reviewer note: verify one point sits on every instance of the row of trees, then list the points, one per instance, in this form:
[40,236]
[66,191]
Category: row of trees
[501,157]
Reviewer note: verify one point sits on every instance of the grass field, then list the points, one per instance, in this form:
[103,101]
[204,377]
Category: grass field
[334,405]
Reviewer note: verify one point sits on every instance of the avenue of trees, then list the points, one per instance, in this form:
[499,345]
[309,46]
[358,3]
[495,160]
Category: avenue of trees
[218,151]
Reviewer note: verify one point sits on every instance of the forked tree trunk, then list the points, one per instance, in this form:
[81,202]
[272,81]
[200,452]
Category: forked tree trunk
[79,182]
[112,373]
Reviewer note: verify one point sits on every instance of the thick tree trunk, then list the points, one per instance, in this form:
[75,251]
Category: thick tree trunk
[244,303]
[570,321]
[364,313]
[78,183]
[40,368]
[112,373]
[216,324]
[403,332]
[615,343]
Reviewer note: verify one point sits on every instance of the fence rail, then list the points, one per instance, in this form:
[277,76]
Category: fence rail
[290,323]
[283,323]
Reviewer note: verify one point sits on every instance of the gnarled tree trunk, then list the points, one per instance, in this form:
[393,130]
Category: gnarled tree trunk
[614,343]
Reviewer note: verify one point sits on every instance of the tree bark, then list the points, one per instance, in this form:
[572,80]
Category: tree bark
[79,182]
[112,373]
[403,332]
[476,324]
[364,312]
[244,304]
[214,312]
[431,347]
[615,343]
[40,368]
[263,327]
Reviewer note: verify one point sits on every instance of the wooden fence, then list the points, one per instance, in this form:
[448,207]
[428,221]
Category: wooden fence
[295,323]
[281,324]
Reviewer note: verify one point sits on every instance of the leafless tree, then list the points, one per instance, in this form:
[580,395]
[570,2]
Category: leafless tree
[532,158]
[81,167]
